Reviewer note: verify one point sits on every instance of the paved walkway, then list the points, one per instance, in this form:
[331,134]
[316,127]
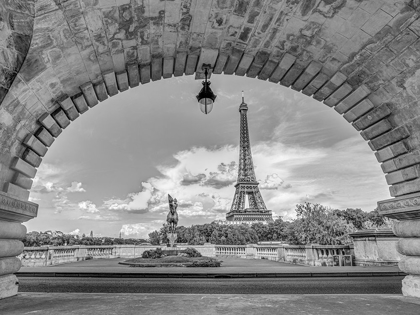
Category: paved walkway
[145,304]
[231,267]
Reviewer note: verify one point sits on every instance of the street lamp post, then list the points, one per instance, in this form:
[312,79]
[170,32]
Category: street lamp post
[206,96]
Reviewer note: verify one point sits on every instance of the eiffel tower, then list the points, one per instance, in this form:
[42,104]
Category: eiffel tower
[247,185]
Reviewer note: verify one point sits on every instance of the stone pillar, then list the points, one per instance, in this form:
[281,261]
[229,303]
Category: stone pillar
[12,213]
[406,209]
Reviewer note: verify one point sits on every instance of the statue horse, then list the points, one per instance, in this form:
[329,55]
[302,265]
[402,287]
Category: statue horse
[172,217]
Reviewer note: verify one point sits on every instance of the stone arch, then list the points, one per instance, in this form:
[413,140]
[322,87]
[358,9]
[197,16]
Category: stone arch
[360,58]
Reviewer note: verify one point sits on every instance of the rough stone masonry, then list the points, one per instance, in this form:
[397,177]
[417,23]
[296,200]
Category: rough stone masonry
[58,58]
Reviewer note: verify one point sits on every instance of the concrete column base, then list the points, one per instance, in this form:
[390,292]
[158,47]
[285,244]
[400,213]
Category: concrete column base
[8,286]
[411,286]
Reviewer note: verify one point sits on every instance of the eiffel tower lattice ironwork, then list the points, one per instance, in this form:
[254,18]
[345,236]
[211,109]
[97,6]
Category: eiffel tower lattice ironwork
[247,185]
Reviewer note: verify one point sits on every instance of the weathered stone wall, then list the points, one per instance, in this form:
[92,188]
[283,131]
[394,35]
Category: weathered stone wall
[359,57]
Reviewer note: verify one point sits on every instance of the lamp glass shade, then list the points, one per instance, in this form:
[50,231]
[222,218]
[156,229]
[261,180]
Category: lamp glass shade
[206,105]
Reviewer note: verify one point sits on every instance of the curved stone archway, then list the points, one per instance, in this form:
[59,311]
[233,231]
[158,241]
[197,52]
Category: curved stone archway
[361,58]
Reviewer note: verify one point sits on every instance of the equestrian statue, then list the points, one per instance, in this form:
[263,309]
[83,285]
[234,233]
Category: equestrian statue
[172,217]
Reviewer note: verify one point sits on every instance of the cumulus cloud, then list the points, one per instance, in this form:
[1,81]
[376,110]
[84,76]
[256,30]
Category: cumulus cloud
[141,230]
[225,175]
[272,181]
[76,187]
[99,217]
[88,206]
[75,232]
[189,179]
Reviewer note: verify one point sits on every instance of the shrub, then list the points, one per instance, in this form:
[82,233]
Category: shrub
[153,254]
[192,252]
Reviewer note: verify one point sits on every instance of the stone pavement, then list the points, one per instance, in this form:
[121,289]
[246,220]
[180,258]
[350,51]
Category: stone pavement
[231,267]
[156,304]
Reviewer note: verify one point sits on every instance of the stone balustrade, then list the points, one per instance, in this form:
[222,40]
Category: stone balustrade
[313,255]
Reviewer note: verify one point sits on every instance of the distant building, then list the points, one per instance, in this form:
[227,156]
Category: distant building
[248,206]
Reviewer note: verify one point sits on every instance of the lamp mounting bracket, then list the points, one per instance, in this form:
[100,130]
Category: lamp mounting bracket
[206,66]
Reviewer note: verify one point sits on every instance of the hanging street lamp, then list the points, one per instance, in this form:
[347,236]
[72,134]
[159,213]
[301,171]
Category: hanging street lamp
[206,96]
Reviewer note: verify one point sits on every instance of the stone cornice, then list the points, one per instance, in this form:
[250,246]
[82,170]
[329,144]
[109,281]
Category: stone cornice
[401,208]
[373,233]
[15,210]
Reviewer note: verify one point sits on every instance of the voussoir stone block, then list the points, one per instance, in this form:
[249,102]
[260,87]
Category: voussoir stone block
[36,145]
[389,138]
[405,188]
[315,84]
[376,129]
[89,94]
[22,181]
[134,74]
[16,191]
[338,95]
[391,151]
[403,175]
[181,61]
[80,103]
[356,96]
[100,90]
[284,65]
[61,118]
[44,136]
[110,82]
[357,111]
[50,124]
[330,86]
[372,117]
[23,167]
[31,157]
[310,72]
[68,106]
[122,80]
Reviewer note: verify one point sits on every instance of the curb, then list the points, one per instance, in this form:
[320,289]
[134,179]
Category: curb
[209,275]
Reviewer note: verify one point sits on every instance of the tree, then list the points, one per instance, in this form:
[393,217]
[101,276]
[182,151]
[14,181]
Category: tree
[154,238]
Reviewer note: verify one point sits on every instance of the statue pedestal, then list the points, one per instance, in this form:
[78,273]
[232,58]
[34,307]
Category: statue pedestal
[172,238]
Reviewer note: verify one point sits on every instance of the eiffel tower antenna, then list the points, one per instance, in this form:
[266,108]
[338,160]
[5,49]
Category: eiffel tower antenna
[247,185]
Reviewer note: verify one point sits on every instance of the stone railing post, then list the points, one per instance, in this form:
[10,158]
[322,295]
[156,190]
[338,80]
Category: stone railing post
[406,209]
[310,257]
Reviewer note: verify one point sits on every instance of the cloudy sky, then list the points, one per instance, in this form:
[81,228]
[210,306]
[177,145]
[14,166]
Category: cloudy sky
[112,168]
